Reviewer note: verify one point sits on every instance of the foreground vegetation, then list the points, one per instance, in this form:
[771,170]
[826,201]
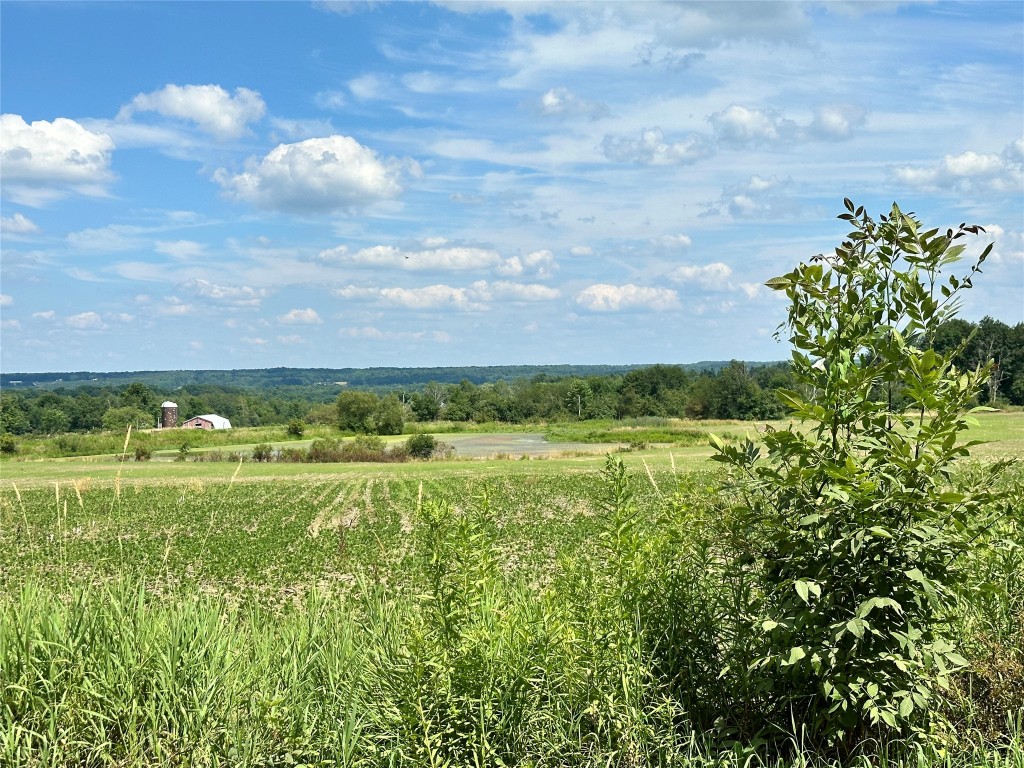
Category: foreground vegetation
[585,619]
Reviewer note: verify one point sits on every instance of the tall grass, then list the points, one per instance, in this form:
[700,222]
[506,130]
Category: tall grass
[631,653]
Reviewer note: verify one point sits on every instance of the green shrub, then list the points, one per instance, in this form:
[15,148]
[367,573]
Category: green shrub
[854,527]
[421,446]
[142,453]
[263,452]
[296,428]
[8,445]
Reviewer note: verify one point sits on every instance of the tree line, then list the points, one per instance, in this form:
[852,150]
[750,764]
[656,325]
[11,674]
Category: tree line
[736,390]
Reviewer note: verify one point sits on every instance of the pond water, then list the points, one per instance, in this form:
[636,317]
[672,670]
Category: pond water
[515,444]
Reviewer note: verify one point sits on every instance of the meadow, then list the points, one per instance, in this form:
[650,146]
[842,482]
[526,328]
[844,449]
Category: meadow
[573,609]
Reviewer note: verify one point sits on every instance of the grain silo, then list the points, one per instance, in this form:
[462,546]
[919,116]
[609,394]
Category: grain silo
[168,415]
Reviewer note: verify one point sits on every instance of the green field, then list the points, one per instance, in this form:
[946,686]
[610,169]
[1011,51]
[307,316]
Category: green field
[487,611]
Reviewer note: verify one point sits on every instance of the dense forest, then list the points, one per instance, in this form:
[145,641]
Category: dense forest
[734,390]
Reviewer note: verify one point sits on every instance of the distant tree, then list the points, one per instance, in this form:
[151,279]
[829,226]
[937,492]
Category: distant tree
[118,419]
[296,428]
[9,446]
[388,417]
[53,421]
[356,409]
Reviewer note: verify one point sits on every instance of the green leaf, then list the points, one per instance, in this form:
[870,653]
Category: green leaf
[802,589]
[778,283]
[795,654]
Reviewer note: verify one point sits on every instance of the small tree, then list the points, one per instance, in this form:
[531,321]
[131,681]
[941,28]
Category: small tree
[296,428]
[421,446]
[854,526]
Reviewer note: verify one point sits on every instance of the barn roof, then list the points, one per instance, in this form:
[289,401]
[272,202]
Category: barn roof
[219,422]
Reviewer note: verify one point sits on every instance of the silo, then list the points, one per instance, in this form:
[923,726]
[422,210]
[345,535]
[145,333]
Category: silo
[168,415]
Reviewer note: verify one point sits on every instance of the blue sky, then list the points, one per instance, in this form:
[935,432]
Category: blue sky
[238,185]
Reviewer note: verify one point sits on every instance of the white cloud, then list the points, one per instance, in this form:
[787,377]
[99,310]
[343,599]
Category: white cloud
[114,237]
[45,161]
[430,297]
[306,316]
[175,307]
[674,241]
[6,300]
[325,174]
[751,290]
[541,263]
[368,86]
[121,317]
[299,129]
[652,149]
[452,258]
[333,101]
[293,338]
[17,224]
[743,125]
[612,298]
[86,321]
[713,276]
[13,325]
[581,250]
[253,341]
[239,295]
[210,107]
[182,250]
[356,292]
[502,289]
[971,171]
[370,332]
[47,315]
[561,102]
[837,121]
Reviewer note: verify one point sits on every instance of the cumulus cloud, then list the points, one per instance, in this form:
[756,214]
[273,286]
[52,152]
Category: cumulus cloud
[674,241]
[13,325]
[370,332]
[970,172]
[238,295]
[174,307]
[306,316]
[837,121]
[6,300]
[430,297]
[17,224]
[756,197]
[503,289]
[210,107]
[293,338]
[86,321]
[47,315]
[453,258]
[324,174]
[182,250]
[652,149]
[612,298]
[581,250]
[713,276]
[45,161]
[541,263]
[743,125]
[561,102]
[254,341]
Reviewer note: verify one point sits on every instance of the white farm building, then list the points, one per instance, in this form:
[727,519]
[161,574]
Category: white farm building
[207,421]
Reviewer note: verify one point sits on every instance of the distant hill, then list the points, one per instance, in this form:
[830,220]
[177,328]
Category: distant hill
[356,378]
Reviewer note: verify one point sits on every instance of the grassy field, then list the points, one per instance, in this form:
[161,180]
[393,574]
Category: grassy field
[498,611]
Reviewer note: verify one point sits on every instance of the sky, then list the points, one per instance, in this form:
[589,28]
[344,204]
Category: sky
[196,185]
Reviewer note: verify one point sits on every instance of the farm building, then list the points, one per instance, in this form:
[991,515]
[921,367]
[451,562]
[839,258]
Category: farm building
[207,421]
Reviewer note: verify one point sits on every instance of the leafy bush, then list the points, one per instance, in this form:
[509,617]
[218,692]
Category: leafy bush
[855,529]
[263,453]
[421,446]
[142,453]
[8,445]
[296,428]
